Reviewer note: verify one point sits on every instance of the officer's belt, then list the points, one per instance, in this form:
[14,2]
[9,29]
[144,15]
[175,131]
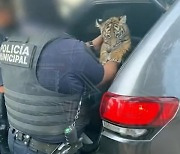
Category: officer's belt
[33,144]
[41,146]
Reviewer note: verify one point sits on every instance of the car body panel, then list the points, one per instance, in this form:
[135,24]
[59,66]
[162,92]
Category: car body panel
[151,70]
[165,142]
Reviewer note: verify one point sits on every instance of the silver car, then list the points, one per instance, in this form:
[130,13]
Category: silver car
[140,111]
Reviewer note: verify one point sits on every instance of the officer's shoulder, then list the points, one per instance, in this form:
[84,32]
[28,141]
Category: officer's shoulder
[68,45]
[67,41]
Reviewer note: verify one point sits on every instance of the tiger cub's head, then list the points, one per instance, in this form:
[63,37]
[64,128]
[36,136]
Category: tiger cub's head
[114,31]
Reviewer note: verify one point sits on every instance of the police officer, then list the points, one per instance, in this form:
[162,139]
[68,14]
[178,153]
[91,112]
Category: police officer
[45,74]
[6,25]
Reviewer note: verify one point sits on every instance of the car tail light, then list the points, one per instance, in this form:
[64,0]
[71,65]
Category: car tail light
[138,111]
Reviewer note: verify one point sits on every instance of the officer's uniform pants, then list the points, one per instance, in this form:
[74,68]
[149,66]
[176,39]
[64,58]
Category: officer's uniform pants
[4,149]
[18,147]
[4,124]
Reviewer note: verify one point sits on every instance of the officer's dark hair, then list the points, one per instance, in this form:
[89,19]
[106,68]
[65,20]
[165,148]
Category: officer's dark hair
[6,4]
[41,10]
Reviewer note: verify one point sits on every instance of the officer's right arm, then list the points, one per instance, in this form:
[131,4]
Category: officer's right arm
[1,83]
[110,70]
[97,74]
[1,89]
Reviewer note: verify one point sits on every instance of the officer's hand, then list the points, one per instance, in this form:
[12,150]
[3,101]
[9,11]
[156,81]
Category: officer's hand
[1,89]
[110,70]
[97,42]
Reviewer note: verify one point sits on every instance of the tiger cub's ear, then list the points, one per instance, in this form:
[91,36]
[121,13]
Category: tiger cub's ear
[122,19]
[99,23]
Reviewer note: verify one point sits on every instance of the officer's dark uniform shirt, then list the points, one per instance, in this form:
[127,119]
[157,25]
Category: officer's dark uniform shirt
[60,65]
[1,40]
[63,62]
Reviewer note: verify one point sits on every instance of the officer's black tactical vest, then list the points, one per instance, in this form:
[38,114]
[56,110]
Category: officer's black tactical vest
[31,108]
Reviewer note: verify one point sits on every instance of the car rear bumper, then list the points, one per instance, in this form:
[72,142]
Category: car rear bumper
[112,144]
[165,141]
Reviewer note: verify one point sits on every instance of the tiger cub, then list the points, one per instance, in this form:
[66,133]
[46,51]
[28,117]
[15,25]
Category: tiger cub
[117,39]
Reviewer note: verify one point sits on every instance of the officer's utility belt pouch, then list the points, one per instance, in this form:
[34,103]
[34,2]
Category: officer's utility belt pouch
[73,143]
[66,148]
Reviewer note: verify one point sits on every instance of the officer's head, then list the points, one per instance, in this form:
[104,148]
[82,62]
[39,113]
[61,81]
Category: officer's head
[6,13]
[47,11]
[37,11]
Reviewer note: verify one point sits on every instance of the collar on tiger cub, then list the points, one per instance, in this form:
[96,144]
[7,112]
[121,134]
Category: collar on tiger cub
[114,32]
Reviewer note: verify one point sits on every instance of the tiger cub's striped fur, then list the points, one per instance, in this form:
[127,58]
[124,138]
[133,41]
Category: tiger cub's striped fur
[117,39]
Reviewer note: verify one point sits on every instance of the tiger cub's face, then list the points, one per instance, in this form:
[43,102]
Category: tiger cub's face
[114,31]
